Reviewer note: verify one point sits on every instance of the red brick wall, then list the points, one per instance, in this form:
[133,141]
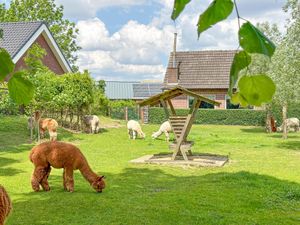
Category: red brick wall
[180,102]
[49,60]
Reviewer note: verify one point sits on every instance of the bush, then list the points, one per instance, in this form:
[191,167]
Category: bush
[245,117]
[7,105]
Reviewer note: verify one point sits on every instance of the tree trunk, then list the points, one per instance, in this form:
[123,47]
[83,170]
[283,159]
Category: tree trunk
[268,120]
[284,117]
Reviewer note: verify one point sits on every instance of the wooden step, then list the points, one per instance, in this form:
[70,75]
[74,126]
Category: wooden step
[178,117]
[177,122]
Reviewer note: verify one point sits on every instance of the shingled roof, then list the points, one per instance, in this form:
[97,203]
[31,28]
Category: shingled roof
[131,89]
[203,69]
[17,34]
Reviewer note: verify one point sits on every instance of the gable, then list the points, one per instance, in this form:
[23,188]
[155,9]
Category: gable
[19,36]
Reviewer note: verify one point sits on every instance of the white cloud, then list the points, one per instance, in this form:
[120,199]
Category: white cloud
[135,50]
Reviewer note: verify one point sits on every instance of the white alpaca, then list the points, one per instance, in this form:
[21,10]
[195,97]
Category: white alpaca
[164,128]
[92,122]
[134,129]
[291,123]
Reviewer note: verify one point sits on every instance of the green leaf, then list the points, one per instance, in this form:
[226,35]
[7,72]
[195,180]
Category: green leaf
[240,61]
[217,11]
[237,98]
[257,89]
[6,64]
[178,7]
[20,89]
[253,40]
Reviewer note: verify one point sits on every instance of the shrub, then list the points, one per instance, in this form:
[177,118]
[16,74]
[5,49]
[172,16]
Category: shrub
[245,117]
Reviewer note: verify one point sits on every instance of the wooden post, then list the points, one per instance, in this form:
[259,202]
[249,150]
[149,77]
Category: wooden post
[171,107]
[126,113]
[165,108]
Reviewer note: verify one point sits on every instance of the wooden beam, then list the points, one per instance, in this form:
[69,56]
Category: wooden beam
[171,107]
[174,92]
[165,108]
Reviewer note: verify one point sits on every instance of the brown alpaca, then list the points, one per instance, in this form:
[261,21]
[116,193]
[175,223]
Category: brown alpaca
[50,125]
[61,155]
[5,205]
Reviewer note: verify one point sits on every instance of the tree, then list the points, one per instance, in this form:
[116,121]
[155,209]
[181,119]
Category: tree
[63,30]
[285,66]
[33,58]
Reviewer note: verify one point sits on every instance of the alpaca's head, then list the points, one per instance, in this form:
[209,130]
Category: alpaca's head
[99,184]
[142,134]
[154,135]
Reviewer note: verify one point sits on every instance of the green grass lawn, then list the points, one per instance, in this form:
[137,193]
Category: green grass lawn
[260,184]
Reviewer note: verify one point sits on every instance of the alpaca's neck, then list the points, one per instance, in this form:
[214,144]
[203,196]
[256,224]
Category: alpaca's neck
[157,133]
[87,173]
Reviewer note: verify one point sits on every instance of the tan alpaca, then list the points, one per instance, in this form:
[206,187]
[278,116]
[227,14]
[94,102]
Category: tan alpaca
[44,124]
[5,205]
[51,125]
[61,155]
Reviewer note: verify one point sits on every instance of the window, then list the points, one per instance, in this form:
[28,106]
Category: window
[204,105]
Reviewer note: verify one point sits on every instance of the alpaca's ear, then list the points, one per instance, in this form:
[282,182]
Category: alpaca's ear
[102,177]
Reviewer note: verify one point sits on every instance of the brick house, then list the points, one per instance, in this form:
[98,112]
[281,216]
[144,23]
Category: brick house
[18,37]
[203,72]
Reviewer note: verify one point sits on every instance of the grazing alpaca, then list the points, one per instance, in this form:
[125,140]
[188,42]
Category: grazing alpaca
[5,205]
[45,124]
[291,123]
[61,155]
[134,129]
[164,128]
[92,122]
[51,125]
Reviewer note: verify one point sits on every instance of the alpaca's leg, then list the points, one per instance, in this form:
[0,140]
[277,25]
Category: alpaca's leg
[37,176]
[94,129]
[44,181]
[134,134]
[69,179]
[167,136]
[129,134]
[64,180]
[42,133]
[53,135]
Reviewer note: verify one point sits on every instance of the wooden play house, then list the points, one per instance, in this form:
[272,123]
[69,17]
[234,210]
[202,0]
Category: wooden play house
[181,125]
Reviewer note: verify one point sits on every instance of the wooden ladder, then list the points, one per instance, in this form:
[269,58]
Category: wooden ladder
[177,124]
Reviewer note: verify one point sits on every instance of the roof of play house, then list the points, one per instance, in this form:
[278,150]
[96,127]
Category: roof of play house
[173,93]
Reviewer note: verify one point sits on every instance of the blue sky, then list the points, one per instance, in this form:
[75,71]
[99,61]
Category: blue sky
[132,39]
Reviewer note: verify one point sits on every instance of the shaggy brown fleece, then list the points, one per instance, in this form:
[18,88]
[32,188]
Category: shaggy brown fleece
[5,205]
[61,155]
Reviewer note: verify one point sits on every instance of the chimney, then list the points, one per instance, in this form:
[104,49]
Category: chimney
[172,71]
[174,50]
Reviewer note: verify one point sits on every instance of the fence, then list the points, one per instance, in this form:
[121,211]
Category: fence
[125,113]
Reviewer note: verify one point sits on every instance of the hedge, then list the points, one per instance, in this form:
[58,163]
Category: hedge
[245,117]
